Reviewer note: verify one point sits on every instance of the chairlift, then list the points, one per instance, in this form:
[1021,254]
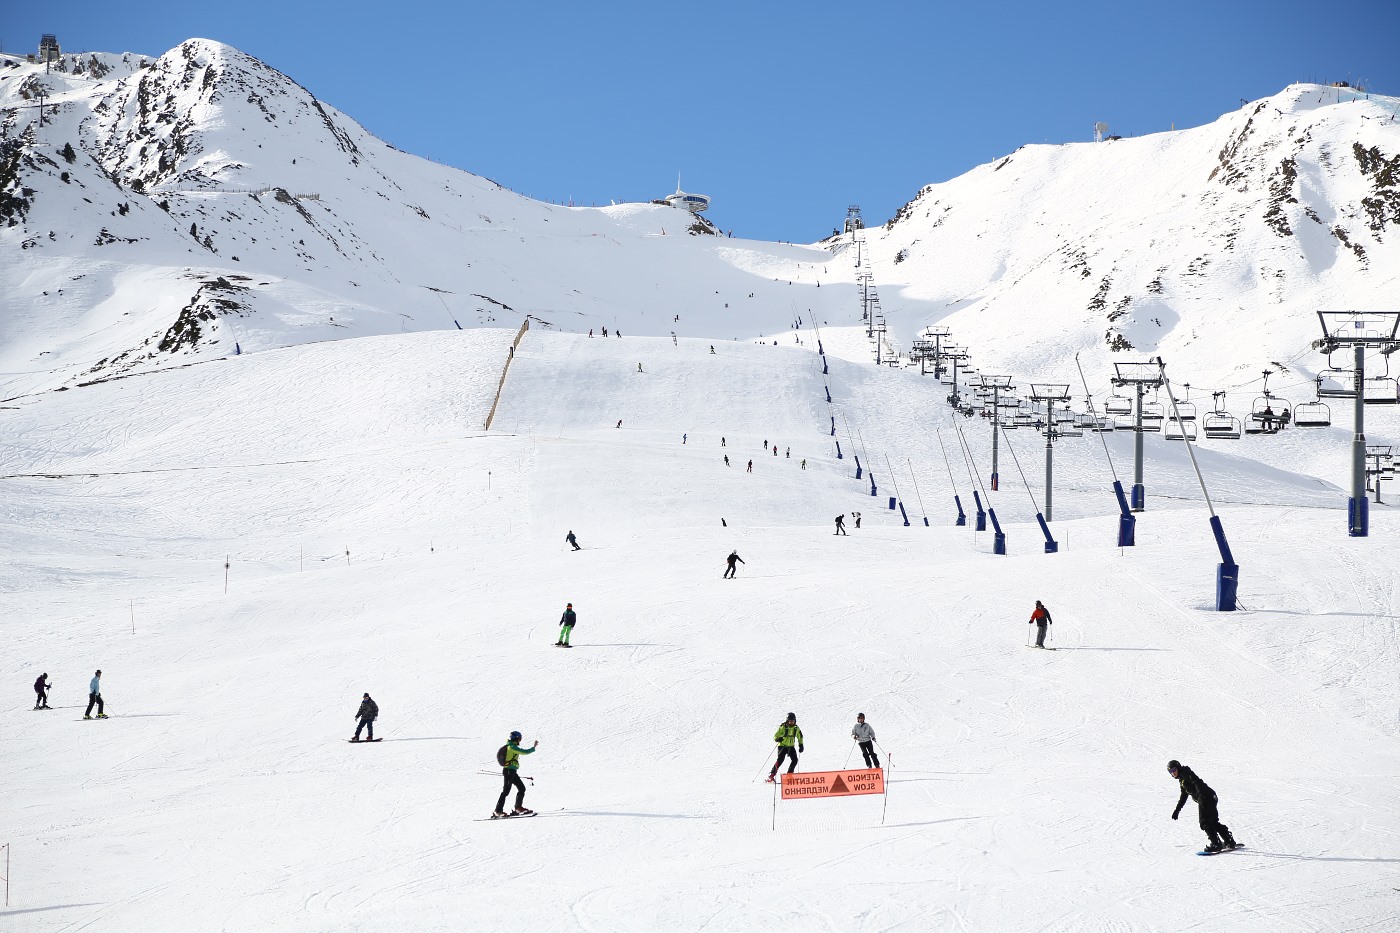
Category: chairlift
[1336,383]
[1179,430]
[1103,426]
[1380,390]
[1312,415]
[1118,405]
[1186,411]
[1219,423]
[1270,413]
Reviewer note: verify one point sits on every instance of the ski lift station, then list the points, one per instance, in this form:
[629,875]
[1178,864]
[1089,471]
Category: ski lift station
[695,203]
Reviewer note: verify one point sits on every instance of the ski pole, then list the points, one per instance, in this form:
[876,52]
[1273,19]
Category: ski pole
[849,754]
[765,764]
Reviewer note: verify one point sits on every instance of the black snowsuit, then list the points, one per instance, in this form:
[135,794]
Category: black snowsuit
[1207,806]
[368,713]
[732,569]
[572,540]
[41,690]
[840,524]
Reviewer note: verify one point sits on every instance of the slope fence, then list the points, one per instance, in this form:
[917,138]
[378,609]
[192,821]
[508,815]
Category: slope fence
[510,357]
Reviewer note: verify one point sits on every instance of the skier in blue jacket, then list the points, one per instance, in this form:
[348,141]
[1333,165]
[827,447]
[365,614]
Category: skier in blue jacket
[95,697]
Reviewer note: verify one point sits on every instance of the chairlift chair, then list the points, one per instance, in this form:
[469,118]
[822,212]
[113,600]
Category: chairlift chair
[1152,416]
[1336,383]
[1103,426]
[1380,390]
[1312,415]
[1221,425]
[1178,430]
[1118,405]
[1186,411]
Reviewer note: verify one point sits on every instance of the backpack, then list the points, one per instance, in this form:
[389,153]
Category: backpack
[501,756]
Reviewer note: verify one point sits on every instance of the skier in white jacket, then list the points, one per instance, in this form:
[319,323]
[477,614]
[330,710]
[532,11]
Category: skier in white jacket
[865,735]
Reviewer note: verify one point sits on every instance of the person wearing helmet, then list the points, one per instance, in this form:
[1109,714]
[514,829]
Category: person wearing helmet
[864,736]
[787,736]
[730,568]
[1207,806]
[566,622]
[41,692]
[367,714]
[510,770]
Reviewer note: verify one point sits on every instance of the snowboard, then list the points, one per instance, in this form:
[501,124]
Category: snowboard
[362,741]
[1037,648]
[557,645]
[1221,852]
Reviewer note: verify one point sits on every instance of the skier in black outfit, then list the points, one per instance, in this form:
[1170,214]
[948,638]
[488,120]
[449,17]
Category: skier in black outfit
[572,540]
[368,712]
[1206,802]
[841,524]
[733,556]
[41,690]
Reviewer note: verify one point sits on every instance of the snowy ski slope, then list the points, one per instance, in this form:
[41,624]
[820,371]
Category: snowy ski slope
[1028,789]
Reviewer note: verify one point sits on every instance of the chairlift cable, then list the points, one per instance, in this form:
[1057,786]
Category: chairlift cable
[1102,439]
[1017,460]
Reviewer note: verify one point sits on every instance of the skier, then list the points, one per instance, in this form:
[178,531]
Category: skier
[733,556]
[726,459]
[787,453]
[840,524]
[804,463]
[509,756]
[865,736]
[619,422]
[41,691]
[684,438]
[605,331]
[856,516]
[1041,619]
[95,696]
[712,346]
[775,450]
[1206,802]
[639,367]
[750,466]
[572,540]
[566,621]
[787,736]
[721,442]
[367,714]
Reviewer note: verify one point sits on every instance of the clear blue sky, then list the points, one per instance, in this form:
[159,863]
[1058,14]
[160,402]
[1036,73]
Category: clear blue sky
[783,113]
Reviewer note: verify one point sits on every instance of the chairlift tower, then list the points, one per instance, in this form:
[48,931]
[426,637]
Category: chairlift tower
[1049,393]
[958,356]
[853,220]
[1359,330]
[1141,376]
[995,385]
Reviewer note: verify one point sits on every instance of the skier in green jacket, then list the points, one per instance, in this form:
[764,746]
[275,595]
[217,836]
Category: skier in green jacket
[510,770]
[787,736]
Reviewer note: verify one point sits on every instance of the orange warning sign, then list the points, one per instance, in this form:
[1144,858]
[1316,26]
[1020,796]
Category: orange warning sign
[833,783]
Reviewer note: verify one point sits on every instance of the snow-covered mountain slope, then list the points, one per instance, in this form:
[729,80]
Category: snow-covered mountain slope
[168,213]
[1213,246]
[379,540]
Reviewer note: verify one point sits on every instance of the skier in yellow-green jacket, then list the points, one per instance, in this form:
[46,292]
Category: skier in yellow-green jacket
[787,736]
[509,759]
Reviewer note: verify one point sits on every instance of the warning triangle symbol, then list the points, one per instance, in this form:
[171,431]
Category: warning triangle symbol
[838,786]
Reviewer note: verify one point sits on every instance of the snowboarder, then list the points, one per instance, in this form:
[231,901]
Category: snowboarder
[856,516]
[684,438]
[804,463]
[566,622]
[765,443]
[787,736]
[841,524]
[605,331]
[639,367]
[590,332]
[41,691]
[865,737]
[619,422]
[750,466]
[95,697]
[726,459]
[775,450]
[787,453]
[721,442]
[367,714]
[733,556]
[1207,806]
[509,756]
[572,540]
[1040,618]
[712,346]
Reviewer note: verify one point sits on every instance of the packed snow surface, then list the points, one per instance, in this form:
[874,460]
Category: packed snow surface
[378,539]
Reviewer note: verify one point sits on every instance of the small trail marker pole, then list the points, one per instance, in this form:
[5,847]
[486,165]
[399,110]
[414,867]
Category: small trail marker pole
[773,827]
[347,557]
[133,617]
[225,574]
[7,874]
[889,767]
[301,558]
[488,480]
